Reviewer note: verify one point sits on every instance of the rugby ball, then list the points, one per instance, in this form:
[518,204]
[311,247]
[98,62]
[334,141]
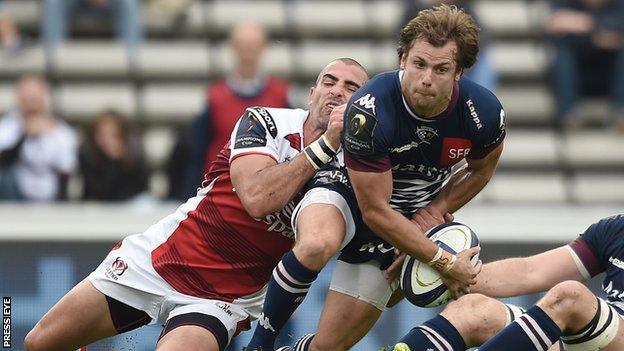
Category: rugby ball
[421,284]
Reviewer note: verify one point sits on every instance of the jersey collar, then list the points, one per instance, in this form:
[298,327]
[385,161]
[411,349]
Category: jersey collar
[441,115]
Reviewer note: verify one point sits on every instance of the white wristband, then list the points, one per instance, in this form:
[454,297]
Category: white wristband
[319,152]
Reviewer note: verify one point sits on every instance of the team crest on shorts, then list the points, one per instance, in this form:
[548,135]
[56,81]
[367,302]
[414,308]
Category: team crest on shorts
[119,266]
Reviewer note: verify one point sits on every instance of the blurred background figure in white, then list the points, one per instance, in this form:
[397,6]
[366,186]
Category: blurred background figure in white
[37,150]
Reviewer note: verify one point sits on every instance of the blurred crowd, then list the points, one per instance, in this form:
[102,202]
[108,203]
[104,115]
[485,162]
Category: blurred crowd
[41,156]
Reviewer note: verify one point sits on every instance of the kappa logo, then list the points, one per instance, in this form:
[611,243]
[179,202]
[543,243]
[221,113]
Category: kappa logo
[367,101]
[265,323]
[474,115]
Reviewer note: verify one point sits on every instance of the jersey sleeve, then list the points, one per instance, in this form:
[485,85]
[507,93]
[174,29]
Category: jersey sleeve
[592,249]
[254,133]
[489,126]
[364,142]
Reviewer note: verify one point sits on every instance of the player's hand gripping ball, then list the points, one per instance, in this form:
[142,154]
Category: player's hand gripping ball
[421,284]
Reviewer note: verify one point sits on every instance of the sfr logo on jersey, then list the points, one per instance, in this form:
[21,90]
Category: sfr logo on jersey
[454,150]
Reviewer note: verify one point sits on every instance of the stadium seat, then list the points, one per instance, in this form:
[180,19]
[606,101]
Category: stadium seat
[223,14]
[299,95]
[529,188]
[80,101]
[90,58]
[331,18]
[25,13]
[278,59]
[30,60]
[157,143]
[385,56]
[527,104]
[590,149]
[592,188]
[172,103]
[174,59]
[506,17]
[384,17]
[530,149]
[518,59]
[313,55]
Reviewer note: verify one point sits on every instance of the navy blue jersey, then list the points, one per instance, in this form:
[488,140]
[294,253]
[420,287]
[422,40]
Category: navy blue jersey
[601,249]
[382,133]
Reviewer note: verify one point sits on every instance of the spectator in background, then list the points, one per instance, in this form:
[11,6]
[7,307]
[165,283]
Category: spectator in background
[57,16]
[37,150]
[247,85]
[483,71]
[10,39]
[588,36]
[112,163]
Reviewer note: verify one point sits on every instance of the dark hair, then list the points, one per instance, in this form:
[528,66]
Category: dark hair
[120,120]
[440,25]
[348,61]
[125,129]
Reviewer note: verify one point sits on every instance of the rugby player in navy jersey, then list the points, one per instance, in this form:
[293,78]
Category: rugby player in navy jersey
[569,317]
[404,131]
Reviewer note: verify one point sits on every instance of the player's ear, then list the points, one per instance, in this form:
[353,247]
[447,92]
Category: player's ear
[310,95]
[459,74]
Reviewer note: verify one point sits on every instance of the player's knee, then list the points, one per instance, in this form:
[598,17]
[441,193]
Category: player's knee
[316,250]
[476,316]
[564,297]
[476,304]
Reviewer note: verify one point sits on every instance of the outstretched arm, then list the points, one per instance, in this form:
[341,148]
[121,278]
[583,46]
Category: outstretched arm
[527,275]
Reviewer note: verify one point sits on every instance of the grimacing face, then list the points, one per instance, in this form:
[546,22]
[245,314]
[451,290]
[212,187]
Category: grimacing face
[429,75]
[334,87]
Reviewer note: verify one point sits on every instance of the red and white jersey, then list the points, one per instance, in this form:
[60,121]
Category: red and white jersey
[210,247]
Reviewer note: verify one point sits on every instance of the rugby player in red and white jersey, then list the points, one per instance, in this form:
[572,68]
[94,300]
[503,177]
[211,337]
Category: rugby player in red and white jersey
[202,271]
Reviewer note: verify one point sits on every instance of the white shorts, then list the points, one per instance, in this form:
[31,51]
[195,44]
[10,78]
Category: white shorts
[127,275]
[328,197]
[363,281]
